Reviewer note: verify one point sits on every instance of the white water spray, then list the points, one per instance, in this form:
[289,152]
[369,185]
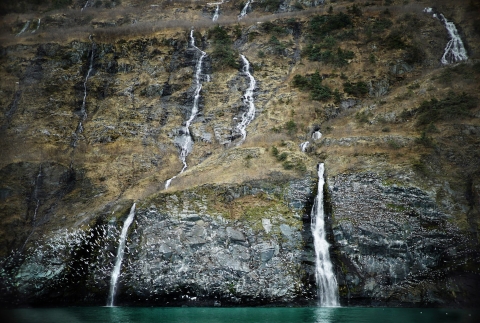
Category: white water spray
[244,10]
[326,281]
[249,115]
[185,142]
[454,50]
[120,252]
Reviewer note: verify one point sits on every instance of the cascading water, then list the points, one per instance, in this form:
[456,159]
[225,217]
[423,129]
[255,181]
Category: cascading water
[304,145]
[316,135]
[25,27]
[217,9]
[185,141]
[118,261]
[326,282]
[249,115]
[244,10]
[83,111]
[454,50]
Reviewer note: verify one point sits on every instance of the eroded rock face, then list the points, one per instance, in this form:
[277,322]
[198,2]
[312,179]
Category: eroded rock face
[394,246]
[205,246]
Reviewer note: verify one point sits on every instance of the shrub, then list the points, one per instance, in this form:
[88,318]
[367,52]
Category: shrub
[223,53]
[291,127]
[282,157]
[337,58]
[354,10]
[313,83]
[414,54]
[394,40]
[278,48]
[271,28]
[298,6]
[356,88]
[425,140]
[274,151]
[271,5]
[322,25]
[381,24]
[452,107]
[362,117]
[393,144]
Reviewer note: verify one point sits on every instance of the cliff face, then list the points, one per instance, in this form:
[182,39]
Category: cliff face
[92,124]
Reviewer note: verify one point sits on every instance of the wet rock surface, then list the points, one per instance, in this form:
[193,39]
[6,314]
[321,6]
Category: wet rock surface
[189,248]
[393,245]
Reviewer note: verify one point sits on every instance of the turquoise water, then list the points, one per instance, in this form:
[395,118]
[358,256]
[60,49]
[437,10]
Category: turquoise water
[237,315]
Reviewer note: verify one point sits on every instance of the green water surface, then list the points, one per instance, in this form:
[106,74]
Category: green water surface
[237,315]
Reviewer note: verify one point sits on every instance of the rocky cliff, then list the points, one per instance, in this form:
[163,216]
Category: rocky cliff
[96,99]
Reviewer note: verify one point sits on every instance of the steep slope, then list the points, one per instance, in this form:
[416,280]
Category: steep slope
[94,108]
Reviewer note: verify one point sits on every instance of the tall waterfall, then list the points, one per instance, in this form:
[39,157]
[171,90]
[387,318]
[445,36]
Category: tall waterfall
[185,141]
[249,115]
[120,252]
[326,281]
[244,10]
[83,110]
[454,50]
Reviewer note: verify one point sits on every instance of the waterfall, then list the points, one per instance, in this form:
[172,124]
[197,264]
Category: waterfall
[454,50]
[316,135]
[244,10]
[35,194]
[304,145]
[83,111]
[326,281]
[25,27]
[185,141]
[118,261]
[38,26]
[217,9]
[86,4]
[249,115]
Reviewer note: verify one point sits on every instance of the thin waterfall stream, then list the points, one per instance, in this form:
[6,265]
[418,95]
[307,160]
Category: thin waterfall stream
[25,27]
[83,110]
[217,9]
[185,141]
[248,100]
[119,258]
[326,282]
[243,13]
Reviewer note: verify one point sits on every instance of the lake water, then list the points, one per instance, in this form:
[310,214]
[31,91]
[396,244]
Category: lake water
[237,315]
